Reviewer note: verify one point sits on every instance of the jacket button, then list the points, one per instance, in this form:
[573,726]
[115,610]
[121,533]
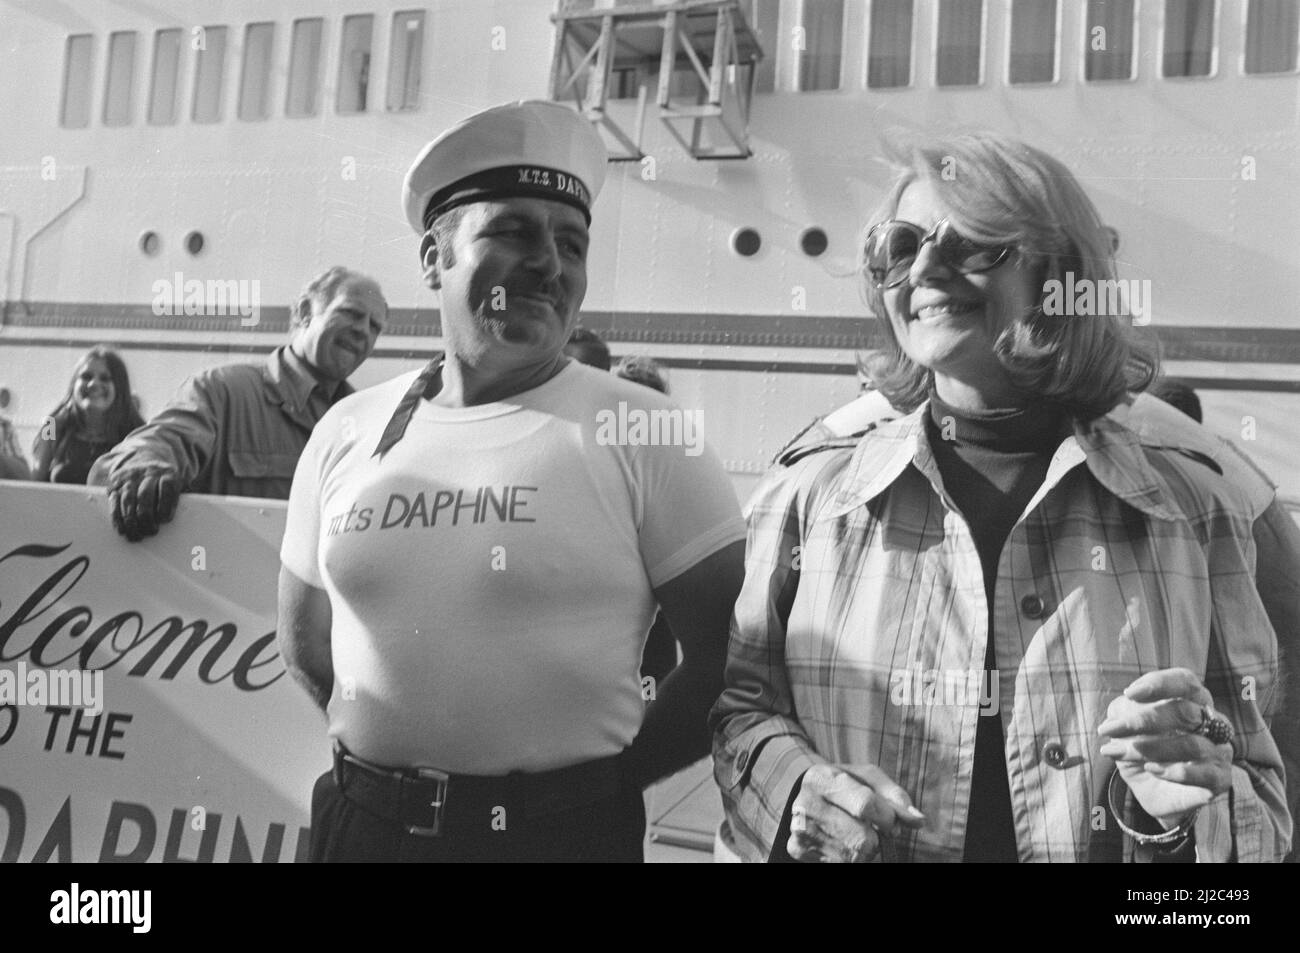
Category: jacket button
[1054,754]
[1032,607]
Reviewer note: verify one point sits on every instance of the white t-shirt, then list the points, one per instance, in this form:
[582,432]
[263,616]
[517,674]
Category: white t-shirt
[491,576]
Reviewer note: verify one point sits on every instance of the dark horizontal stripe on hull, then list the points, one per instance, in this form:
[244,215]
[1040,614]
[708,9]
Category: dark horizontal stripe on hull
[188,347]
[1243,383]
[1178,342]
[645,327]
[688,363]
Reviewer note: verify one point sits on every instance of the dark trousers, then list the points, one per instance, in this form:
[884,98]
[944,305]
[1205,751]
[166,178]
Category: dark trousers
[611,830]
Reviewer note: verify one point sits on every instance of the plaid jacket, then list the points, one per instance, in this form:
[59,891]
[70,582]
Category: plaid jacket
[863,585]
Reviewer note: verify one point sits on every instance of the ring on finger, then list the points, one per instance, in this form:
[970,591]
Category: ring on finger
[1214,727]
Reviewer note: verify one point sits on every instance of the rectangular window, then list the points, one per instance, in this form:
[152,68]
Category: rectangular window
[1271,30]
[1109,44]
[889,44]
[254,96]
[624,83]
[119,81]
[957,57]
[405,60]
[166,69]
[820,44]
[77,66]
[1189,37]
[1033,41]
[354,63]
[301,98]
[209,72]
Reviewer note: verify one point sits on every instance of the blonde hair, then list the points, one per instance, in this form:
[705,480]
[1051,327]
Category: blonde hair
[1001,191]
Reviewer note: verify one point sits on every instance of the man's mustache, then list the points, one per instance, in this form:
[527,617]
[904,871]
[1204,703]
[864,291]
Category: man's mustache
[535,290]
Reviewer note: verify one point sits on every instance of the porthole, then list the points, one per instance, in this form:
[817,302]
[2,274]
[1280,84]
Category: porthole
[813,241]
[150,243]
[746,242]
[194,242]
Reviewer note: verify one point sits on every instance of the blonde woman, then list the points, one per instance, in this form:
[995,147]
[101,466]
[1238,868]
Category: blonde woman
[1000,617]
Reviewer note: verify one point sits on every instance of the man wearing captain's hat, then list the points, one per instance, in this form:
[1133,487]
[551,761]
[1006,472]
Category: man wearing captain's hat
[474,552]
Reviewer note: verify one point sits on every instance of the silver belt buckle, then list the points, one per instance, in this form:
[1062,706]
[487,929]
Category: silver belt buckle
[439,801]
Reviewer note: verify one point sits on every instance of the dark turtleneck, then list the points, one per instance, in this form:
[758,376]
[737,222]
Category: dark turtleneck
[992,462]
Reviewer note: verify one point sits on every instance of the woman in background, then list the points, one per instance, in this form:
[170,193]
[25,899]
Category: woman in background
[94,416]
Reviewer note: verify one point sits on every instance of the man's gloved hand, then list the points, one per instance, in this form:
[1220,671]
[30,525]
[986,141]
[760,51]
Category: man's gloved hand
[141,499]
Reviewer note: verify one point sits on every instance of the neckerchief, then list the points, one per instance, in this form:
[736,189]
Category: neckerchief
[425,385]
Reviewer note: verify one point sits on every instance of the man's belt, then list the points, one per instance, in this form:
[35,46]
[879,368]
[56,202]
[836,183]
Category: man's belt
[427,802]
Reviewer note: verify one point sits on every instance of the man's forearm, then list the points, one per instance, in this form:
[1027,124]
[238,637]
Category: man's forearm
[158,453]
[697,606]
[319,685]
[303,636]
[180,438]
[675,732]
[311,666]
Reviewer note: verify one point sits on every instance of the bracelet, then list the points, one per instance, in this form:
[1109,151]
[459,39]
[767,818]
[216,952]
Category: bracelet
[1165,839]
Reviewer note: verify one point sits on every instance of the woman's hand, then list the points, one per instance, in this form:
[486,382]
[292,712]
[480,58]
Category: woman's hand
[1154,735]
[843,811]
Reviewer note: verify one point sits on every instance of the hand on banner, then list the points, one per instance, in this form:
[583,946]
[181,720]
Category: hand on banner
[141,499]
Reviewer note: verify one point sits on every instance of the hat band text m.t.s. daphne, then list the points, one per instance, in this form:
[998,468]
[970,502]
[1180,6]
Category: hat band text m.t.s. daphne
[531,181]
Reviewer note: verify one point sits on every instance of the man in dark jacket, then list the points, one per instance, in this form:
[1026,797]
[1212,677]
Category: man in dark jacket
[239,429]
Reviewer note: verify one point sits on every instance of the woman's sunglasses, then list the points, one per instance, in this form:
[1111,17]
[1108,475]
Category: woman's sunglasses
[892,247]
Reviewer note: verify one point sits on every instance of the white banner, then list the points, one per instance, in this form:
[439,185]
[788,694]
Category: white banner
[198,746]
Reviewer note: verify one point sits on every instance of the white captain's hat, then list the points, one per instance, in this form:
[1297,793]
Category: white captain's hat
[534,148]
